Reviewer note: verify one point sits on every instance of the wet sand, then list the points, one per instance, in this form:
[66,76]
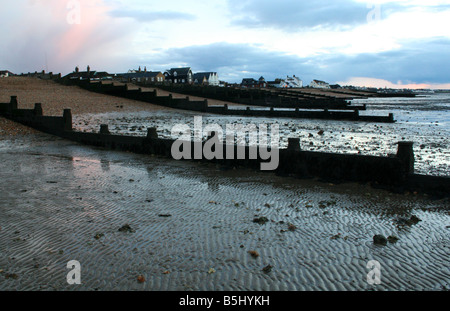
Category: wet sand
[431,147]
[193,223]
[193,226]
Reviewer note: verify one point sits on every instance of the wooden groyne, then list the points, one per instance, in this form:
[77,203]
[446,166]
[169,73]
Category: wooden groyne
[394,173]
[186,103]
[277,98]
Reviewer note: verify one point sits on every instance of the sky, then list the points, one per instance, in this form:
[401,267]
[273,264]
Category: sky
[399,44]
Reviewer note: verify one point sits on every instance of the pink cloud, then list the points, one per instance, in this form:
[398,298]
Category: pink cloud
[43,37]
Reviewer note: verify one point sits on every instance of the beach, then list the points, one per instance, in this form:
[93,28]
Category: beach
[137,222]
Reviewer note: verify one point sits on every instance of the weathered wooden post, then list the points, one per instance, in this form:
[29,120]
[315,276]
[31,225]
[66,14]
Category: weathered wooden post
[294,144]
[391,117]
[13,104]
[104,129]
[406,154]
[152,133]
[67,117]
[38,109]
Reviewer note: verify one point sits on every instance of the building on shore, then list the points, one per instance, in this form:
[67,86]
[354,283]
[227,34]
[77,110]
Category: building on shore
[141,76]
[206,78]
[88,75]
[289,82]
[5,73]
[179,75]
[41,75]
[252,83]
[318,84]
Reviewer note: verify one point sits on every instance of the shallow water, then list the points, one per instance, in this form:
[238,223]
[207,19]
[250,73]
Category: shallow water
[423,120]
[57,196]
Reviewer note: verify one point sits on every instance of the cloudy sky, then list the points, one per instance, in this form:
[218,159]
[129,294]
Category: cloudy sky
[402,43]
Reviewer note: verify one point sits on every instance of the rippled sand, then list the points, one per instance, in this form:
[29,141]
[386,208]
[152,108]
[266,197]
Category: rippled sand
[62,201]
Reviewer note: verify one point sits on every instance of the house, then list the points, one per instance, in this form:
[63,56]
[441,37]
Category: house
[335,86]
[155,77]
[101,75]
[262,82]
[252,83]
[142,76]
[289,82]
[88,75]
[206,78]
[278,83]
[293,82]
[179,75]
[249,83]
[5,74]
[317,84]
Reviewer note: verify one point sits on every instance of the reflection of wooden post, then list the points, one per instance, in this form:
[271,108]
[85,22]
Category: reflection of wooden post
[67,117]
[406,154]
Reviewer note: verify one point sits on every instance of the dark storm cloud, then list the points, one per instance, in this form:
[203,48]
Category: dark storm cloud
[149,16]
[424,61]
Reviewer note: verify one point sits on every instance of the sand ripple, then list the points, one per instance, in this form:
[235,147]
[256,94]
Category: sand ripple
[62,202]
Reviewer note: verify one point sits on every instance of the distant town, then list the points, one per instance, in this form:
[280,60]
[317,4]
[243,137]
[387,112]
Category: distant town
[185,75]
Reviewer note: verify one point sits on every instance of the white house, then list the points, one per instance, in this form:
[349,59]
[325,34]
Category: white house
[289,82]
[317,84]
[208,78]
[293,82]
[5,74]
